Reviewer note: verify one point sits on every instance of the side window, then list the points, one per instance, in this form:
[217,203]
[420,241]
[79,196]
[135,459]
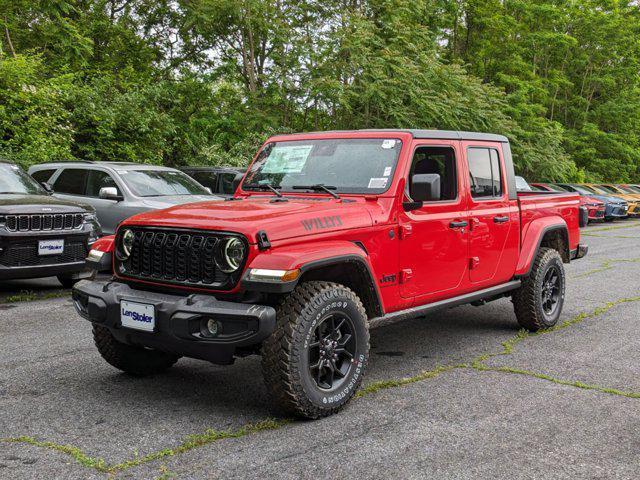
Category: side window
[226,183]
[96,180]
[71,181]
[440,160]
[484,170]
[208,179]
[43,175]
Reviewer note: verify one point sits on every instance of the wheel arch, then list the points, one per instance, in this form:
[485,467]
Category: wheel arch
[351,271]
[555,235]
[335,261]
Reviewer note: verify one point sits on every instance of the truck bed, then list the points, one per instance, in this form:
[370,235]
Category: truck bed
[535,205]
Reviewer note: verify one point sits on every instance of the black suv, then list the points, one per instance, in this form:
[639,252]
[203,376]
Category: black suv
[220,180]
[41,236]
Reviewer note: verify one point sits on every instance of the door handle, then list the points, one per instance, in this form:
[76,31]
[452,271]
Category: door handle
[500,219]
[460,224]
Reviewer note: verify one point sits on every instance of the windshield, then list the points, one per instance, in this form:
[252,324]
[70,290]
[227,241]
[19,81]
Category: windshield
[630,189]
[555,188]
[14,180]
[160,183]
[605,189]
[582,190]
[522,185]
[350,165]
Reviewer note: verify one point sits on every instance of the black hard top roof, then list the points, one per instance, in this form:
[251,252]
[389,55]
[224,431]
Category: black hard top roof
[433,134]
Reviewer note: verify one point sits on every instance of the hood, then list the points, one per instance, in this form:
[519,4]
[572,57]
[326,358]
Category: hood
[280,220]
[35,204]
[167,201]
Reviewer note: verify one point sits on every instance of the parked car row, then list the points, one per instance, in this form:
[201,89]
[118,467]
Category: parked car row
[50,219]
[606,202]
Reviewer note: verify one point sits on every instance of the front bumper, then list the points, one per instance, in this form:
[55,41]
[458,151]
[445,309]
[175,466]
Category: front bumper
[179,320]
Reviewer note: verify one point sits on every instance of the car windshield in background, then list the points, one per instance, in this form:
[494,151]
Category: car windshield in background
[631,190]
[349,165]
[522,185]
[607,189]
[14,180]
[160,183]
[583,190]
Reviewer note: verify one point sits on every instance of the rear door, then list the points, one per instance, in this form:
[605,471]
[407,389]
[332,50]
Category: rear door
[71,184]
[434,238]
[494,223]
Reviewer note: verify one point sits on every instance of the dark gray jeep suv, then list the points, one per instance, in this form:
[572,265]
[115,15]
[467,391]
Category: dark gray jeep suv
[41,236]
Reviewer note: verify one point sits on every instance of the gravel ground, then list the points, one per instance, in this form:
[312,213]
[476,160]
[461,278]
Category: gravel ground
[562,404]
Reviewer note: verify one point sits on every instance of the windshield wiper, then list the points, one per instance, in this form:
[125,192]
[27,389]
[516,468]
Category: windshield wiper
[320,187]
[264,186]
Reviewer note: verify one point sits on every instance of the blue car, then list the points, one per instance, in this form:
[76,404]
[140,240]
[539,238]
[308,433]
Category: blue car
[614,207]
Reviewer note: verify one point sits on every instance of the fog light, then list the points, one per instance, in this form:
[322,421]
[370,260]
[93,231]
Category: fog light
[213,327]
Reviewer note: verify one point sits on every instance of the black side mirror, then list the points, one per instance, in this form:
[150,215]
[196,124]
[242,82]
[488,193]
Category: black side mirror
[47,187]
[425,187]
[236,181]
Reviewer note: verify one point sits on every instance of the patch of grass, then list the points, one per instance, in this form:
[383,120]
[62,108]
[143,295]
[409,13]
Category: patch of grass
[549,378]
[30,296]
[607,265]
[74,452]
[201,439]
[394,383]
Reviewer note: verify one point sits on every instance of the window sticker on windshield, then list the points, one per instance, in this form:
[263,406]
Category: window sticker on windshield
[378,182]
[388,143]
[387,171]
[287,159]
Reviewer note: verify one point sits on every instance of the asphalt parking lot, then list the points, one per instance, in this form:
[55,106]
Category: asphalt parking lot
[458,394]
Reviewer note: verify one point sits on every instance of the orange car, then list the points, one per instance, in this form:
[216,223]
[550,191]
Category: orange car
[611,190]
[630,188]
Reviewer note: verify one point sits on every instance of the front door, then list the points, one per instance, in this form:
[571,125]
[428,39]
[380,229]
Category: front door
[434,238]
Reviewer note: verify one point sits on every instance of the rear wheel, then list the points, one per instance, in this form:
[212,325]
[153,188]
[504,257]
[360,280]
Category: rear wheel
[136,361]
[314,361]
[538,302]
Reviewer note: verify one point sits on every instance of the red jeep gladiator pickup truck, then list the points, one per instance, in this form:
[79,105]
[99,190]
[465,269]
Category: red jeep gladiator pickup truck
[328,234]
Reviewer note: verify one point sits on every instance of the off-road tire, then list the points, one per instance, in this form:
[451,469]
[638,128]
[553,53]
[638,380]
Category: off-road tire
[528,299]
[136,361]
[285,354]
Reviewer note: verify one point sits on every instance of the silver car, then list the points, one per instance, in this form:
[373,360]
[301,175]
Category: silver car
[119,190]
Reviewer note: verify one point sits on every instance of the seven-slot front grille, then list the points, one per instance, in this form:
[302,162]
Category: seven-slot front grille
[176,257]
[44,222]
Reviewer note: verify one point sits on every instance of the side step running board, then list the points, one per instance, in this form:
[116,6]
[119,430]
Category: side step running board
[414,312]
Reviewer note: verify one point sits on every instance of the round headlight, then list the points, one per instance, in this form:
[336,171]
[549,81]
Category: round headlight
[126,244]
[230,255]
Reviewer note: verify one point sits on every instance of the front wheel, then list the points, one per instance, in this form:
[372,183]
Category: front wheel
[137,361]
[539,300]
[314,361]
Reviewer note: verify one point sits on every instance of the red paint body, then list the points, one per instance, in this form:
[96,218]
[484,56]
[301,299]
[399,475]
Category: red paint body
[429,260]
[594,207]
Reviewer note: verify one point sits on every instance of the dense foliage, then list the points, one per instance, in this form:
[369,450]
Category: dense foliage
[205,81]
